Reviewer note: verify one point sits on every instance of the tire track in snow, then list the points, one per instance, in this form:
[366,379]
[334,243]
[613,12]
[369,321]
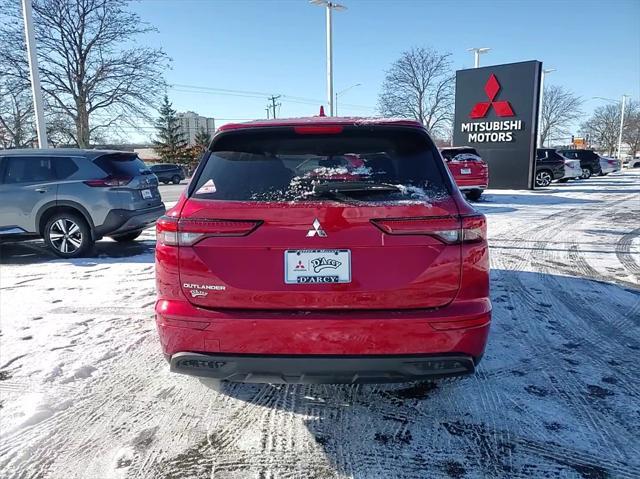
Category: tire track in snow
[581,311]
[623,252]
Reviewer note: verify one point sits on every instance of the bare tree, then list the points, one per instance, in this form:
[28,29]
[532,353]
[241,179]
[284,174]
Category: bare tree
[603,127]
[17,127]
[420,85]
[631,130]
[560,107]
[93,69]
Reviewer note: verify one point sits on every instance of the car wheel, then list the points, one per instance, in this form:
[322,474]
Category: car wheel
[543,178]
[68,235]
[586,173]
[473,195]
[175,180]
[127,237]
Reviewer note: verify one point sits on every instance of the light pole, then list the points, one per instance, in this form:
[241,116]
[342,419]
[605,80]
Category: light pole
[624,99]
[476,55]
[541,95]
[41,127]
[329,6]
[341,92]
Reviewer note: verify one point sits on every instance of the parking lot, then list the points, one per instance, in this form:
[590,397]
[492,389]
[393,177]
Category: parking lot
[86,393]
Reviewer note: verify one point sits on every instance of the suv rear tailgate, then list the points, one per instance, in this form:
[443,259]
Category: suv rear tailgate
[270,179]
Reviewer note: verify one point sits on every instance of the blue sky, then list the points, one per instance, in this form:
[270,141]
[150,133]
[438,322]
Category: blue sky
[278,47]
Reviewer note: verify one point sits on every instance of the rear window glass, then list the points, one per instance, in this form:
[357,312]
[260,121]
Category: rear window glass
[122,164]
[449,154]
[377,164]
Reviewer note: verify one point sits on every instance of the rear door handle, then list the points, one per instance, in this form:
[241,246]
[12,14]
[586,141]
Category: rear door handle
[41,190]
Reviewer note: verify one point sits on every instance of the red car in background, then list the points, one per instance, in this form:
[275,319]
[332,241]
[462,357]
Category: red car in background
[322,250]
[468,169]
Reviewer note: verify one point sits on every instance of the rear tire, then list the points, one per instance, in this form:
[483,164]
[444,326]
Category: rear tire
[474,195]
[68,235]
[175,180]
[127,237]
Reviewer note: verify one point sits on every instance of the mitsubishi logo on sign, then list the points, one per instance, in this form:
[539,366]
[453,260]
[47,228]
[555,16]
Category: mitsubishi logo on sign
[502,108]
[316,229]
[498,131]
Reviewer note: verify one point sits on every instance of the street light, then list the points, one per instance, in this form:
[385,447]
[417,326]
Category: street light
[344,91]
[544,72]
[329,6]
[476,54]
[624,99]
[41,127]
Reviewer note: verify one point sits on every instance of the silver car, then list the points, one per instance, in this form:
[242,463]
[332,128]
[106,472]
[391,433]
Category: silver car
[572,169]
[609,165]
[73,197]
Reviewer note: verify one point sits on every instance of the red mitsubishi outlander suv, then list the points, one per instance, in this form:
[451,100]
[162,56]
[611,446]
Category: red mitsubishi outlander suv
[322,250]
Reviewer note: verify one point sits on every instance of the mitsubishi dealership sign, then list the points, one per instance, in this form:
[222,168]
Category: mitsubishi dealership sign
[496,113]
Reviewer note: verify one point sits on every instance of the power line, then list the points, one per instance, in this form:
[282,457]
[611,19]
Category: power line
[255,94]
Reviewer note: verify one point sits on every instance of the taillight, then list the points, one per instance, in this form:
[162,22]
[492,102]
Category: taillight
[167,231]
[449,230]
[474,229]
[187,232]
[109,181]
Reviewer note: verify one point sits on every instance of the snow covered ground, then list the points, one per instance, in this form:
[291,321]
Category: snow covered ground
[85,392]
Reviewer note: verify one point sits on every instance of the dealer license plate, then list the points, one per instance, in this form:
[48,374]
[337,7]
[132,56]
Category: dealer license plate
[465,171]
[146,194]
[305,266]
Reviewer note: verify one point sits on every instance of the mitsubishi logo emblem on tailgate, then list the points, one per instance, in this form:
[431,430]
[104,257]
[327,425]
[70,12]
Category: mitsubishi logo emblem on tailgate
[316,229]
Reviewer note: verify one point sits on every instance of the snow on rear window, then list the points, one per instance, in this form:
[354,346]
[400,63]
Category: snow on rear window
[360,164]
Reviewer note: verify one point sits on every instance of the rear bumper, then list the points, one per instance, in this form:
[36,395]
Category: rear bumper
[320,369]
[570,172]
[124,221]
[266,343]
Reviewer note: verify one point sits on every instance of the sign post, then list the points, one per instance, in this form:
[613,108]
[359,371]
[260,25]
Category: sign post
[497,114]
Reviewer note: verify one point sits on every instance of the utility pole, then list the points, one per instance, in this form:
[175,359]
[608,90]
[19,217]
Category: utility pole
[268,108]
[41,126]
[624,99]
[273,99]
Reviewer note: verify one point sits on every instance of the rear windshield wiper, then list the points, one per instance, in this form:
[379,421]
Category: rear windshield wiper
[350,187]
[334,195]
